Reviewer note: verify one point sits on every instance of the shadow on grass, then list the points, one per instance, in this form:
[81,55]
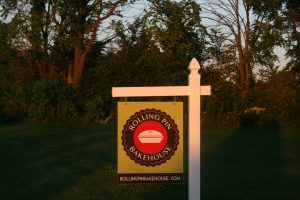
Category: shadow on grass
[41,161]
[247,165]
[75,162]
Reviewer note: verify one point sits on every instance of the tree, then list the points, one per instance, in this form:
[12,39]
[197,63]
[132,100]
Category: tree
[30,28]
[140,60]
[69,27]
[13,85]
[221,56]
[78,22]
[244,34]
[177,28]
[277,91]
[229,15]
[292,13]
[283,15]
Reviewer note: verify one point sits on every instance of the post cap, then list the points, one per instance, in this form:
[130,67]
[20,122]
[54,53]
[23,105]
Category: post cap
[194,65]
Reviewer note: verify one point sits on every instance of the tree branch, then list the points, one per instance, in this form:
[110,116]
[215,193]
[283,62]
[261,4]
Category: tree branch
[97,23]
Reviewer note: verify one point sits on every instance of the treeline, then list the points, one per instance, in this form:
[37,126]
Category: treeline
[59,60]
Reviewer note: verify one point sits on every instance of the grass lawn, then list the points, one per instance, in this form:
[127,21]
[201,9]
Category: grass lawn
[63,161]
[251,164]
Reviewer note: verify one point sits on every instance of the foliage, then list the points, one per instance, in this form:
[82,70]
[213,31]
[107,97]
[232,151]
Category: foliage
[241,39]
[141,61]
[51,101]
[225,104]
[258,117]
[278,93]
[43,42]
[54,33]
[98,110]
[177,27]
[283,17]
[13,82]
[249,120]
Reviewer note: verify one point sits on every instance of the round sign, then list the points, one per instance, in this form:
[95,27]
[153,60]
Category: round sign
[150,137]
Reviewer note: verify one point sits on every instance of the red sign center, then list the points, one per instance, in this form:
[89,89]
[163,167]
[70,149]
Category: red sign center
[150,137]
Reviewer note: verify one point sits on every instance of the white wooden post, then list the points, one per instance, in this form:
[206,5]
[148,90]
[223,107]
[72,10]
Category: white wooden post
[193,91]
[194,130]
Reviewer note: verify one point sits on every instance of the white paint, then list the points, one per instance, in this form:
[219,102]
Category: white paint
[193,91]
[194,130]
[156,91]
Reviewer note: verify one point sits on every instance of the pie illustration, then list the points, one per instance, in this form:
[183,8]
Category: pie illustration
[150,136]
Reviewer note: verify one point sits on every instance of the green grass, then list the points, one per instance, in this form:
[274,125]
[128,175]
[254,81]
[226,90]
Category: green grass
[57,161]
[251,164]
[64,161]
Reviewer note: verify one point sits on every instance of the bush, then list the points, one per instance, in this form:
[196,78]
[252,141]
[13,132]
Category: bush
[252,117]
[249,120]
[258,117]
[98,110]
[12,109]
[51,101]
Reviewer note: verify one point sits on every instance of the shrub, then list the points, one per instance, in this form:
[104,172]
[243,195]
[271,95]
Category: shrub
[98,110]
[252,117]
[258,117]
[249,120]
[51,101]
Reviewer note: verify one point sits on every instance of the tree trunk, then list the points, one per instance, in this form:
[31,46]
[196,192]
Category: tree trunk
[78,67]
[83,45]
[239,46]
[70,73]
[79,51]
[247,54]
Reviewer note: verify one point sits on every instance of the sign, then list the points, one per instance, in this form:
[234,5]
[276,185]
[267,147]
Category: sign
[193,91]
[150,142]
